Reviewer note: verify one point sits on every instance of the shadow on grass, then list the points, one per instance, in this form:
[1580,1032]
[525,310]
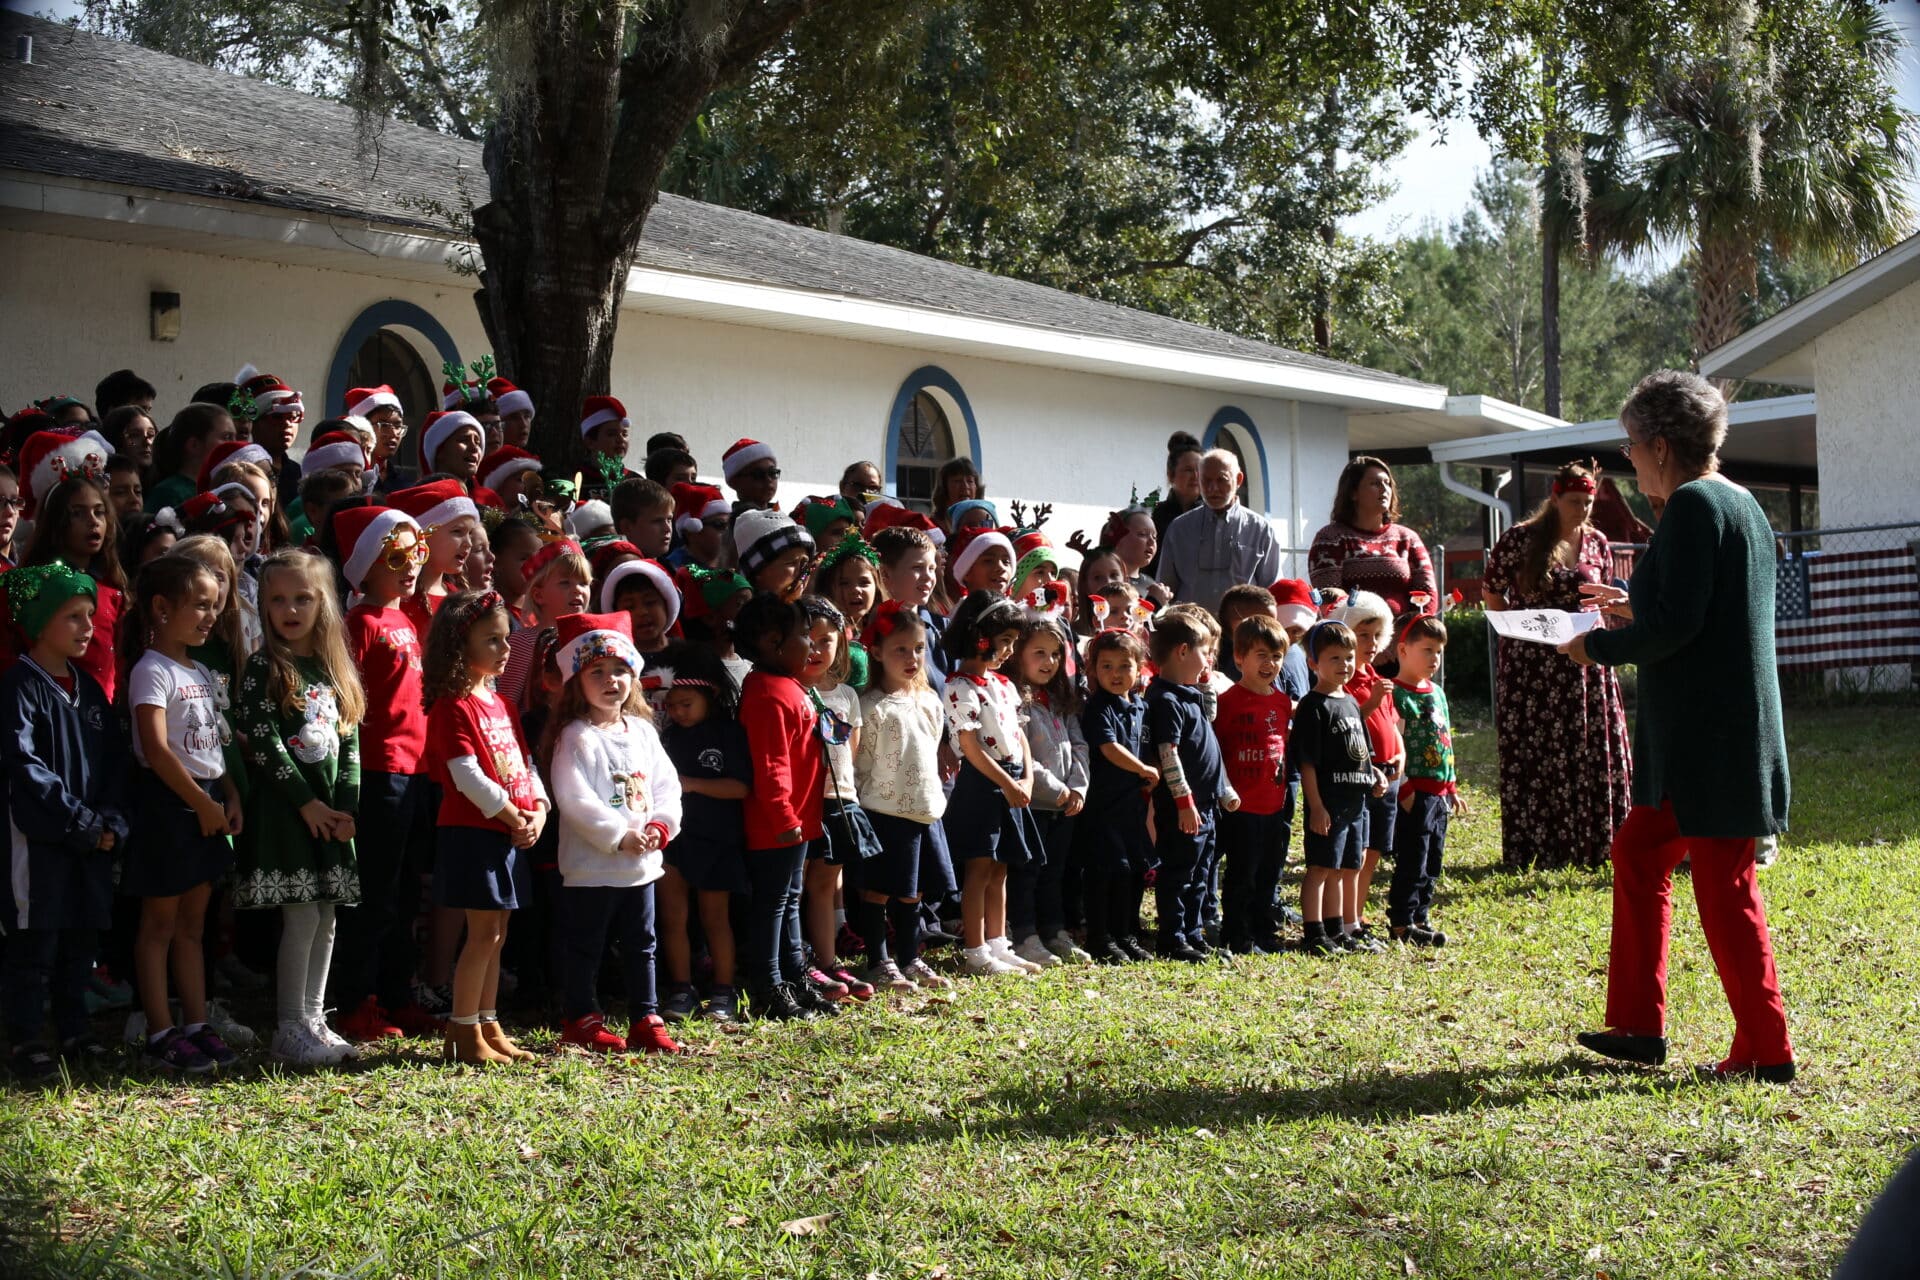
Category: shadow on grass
[1066,1108]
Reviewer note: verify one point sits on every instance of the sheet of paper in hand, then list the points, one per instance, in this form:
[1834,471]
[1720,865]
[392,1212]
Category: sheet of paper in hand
[1542,626]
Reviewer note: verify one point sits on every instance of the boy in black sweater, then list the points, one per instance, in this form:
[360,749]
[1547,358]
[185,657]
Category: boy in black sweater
[1193,784]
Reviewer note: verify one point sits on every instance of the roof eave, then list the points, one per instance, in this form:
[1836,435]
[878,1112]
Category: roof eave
[1773,348]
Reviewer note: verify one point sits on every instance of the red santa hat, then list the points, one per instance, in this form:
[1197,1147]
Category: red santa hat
[334,449]
[695,504]
[233,451]
[968,547]
[1295,601]
[598,411]
[48,457]
[505,463]
[455,394]
[362,401]
[508,398]
[742,454]
[364,533]
[891,515]
[437,503]
[543,559]
[261,395]
[439,428]
[581,639]
[657,575]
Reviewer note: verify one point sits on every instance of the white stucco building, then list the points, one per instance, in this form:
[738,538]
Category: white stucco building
[1857,342]
[136,187]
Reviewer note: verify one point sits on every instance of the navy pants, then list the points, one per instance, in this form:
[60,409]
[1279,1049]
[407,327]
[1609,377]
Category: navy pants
[1254,848]
[1186,869]
[773,953]
[593,916]
[1419,838]
[373,947]
[1035,895]
[43,964]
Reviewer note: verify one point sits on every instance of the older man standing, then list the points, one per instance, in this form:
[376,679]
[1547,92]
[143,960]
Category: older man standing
[1218,544]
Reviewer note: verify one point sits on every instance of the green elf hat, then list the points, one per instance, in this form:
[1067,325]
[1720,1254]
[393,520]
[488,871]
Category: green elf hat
[35,593]
[817,514]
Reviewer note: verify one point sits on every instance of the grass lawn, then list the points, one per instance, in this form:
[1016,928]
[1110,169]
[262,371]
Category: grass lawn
[1406,1114]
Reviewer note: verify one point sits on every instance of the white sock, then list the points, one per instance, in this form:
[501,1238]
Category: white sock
[489,1015]
[466,1019]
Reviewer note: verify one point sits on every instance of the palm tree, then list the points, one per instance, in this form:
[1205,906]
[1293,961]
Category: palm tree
[1785,137]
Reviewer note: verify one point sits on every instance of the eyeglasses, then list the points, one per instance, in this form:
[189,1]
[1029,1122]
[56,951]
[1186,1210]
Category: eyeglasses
[405,554]
[15,503]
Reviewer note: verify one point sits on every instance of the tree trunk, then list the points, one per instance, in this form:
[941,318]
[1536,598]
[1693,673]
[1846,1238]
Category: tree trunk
[1725,271]
[1549,309]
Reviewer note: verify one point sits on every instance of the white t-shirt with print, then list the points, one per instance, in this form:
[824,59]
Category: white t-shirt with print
[195,727]
[843,699]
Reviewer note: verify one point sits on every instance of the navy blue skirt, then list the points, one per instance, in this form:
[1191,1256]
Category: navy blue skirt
[707,864]
[166,855]
[981,824]
[478,869]
[895,871]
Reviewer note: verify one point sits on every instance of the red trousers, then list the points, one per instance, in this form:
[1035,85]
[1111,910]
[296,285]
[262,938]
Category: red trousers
[1646,849]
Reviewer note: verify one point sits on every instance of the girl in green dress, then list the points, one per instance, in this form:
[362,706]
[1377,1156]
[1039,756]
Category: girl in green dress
[300,703]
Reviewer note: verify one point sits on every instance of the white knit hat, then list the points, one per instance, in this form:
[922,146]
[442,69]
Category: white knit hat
[759,536]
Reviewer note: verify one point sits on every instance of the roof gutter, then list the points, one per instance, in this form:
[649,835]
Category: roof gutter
[1502,509]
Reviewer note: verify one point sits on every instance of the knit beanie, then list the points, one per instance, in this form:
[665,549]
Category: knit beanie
[760,536]
[36,592]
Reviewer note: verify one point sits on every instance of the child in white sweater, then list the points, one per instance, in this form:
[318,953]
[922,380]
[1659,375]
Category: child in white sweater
[618,799]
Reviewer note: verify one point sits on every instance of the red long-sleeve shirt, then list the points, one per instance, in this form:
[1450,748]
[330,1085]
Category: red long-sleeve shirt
[789,761]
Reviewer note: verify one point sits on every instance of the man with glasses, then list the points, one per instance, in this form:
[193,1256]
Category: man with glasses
[1218,544]
[753,473]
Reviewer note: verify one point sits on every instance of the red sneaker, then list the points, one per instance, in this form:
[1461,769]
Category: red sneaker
[413,1020]
[369,1022]
[649,1035]
[591,1034]
[857,987]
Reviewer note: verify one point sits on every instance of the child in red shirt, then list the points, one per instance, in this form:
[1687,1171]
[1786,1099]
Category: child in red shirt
[492,808]
[783,810]
[1252,728]
[1372,625]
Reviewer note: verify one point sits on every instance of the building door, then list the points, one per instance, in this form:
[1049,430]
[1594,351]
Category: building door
[386,358]
[926,444]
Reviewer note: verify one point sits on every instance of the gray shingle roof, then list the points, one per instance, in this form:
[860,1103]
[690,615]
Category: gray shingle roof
[104,110]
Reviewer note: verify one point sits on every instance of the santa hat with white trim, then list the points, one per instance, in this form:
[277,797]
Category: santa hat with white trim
[892,514]
[658,576]
[362,401]
[436,503]
[581,639]
[1294,602]
[505,463]
[48,457]
[742,454]
[269,395]
[508,398]
[334,449]
[232,451]
[598,411]
[695,504]
[363,533]
[968,547]
[439,428]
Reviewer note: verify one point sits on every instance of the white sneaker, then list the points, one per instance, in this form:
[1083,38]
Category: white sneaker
[922,974]
[237,1035]
[332,1039]
[1002,949]
[1035,952]
[294,1044]
[982,963]
[1063,945]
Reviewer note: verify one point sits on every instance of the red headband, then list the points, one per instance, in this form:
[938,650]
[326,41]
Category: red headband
[1575,484]
[888,617]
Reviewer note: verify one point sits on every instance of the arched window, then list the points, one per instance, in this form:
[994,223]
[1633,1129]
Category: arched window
[387,359]
[1232,430]
[924,433]
[373,351]
[926,444]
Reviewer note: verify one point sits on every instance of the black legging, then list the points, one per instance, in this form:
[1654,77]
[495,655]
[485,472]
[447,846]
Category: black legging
[773,951]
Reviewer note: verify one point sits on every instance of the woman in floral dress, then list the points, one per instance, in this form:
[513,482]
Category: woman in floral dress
[1565,760]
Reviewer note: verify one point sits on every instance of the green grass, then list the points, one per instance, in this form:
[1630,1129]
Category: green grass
[1394,1115]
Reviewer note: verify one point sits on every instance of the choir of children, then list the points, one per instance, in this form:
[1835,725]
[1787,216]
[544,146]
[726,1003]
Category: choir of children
[761,755]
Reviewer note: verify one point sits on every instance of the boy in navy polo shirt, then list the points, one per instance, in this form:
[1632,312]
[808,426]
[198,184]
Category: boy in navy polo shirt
[1193,785]
[1113,825]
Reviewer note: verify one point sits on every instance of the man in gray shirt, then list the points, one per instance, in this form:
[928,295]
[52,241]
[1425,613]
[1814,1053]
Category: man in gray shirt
[1218,544]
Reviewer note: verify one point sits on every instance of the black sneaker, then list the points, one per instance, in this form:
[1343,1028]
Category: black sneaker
[1271,945]
[778,1005]
[1778,1073]
[812,1001]
[86,1050]
[1321,945]
[176,1051]
[1648,1051]
[1131,945]
[1109,953]
[1414,936]
[33,1063]
[209,1042]
[1184,954]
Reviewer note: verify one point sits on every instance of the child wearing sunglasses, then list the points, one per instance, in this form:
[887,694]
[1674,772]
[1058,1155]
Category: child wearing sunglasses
[383,551]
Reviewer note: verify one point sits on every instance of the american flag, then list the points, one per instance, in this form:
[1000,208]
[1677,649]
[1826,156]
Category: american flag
[1847,608]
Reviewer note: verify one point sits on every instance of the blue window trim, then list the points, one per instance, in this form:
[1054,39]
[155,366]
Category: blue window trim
[928,375]
[1228,415]
[382,315]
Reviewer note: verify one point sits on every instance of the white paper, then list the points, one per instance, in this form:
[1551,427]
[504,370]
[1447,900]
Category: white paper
[1541,626]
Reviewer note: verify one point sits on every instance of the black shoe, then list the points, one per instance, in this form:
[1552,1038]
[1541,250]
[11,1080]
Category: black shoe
[1779,1073]
[778,1005]
[1321,945]
[1131,945]
[1271,945]
[1200,944]
[1648,1051]
[1109,953]
[1184,954]
[87,1050]
[814,1004]
[1414,936]
[1440,939]
[33,1063]
[1243,947]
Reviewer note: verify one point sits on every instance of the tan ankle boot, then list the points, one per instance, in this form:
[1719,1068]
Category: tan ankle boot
[496,1037]
[469,1045]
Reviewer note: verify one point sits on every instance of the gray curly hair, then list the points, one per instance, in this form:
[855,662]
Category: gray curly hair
[1685,410]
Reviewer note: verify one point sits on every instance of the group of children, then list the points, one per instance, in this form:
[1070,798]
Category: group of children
[735,762]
